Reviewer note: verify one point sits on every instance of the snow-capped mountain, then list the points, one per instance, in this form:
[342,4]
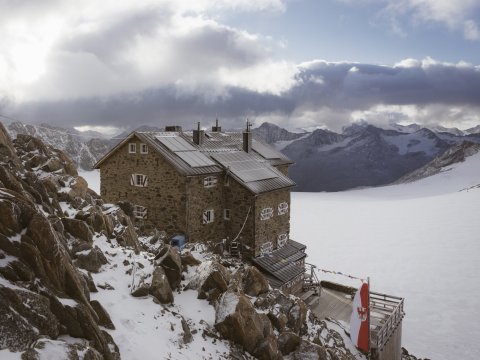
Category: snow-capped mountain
[273,134]
[83,149]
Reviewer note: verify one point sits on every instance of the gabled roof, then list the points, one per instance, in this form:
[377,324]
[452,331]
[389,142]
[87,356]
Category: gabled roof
[219,152]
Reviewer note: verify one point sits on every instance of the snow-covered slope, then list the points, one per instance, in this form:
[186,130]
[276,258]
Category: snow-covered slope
[418,240]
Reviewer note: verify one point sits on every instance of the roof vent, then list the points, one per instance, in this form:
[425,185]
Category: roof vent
[216,128]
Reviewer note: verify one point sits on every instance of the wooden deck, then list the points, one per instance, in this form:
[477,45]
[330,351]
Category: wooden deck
[333,304]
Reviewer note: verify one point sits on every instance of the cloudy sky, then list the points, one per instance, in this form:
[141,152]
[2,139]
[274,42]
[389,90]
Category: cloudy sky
[298,63]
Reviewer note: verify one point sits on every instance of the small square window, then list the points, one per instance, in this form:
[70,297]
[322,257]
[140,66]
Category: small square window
[282,208]
[282,240]
[266,214]
[226,214]
[132,148]
[208,216]
[139,212]
[210,181]
[143,149]
[266,248]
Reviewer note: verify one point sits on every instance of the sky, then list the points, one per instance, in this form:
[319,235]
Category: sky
[113,65]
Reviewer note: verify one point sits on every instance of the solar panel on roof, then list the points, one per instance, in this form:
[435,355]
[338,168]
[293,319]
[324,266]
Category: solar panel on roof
[195,158]
[264,150]
[175,143]
[246,168]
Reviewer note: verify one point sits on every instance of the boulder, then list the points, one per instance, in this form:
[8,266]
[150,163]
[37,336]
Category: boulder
[254,283]
[79,187]
[160,287]
[308,350]
[211,280]
[128,237]
[169,259]
[91,260]
[288,342]
[78,229]
[141,291]
[237,320]
[103,317]
[188,259]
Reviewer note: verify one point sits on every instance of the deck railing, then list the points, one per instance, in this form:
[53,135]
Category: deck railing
[386,313]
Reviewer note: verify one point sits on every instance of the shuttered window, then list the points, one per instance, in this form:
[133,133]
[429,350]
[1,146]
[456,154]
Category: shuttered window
[139,212]
[282,208]
[266,248]
[282,240]
[143,149]
[226,214]
[139,180]
[210,181]
[132,148]
[208,216]
[266,214]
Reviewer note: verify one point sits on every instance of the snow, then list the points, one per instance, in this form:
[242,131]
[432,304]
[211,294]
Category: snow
[144,329]
[226,306]
[414,142]
[92,178]
[6,354]
[67,302]
[416,240]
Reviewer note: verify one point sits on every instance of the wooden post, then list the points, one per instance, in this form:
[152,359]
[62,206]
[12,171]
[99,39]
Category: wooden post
[369,343]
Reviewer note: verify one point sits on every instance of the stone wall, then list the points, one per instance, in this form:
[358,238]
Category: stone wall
[283,169]
[200,199]
[238,199]
[269,230]
[164,196]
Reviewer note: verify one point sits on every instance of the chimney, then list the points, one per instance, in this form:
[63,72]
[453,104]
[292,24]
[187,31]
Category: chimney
[198,135]
[216,128]
[174,128]
[247,138]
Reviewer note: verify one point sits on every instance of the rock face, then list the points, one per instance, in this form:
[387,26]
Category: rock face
[237,320]
[42,293]
[169,259]
[211,280]
[254,283]
[160,287]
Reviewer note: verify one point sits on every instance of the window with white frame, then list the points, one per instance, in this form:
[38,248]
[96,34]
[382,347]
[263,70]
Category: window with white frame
[210,181]
[266,214]
[139,212]
[226,214]
[282,208]
[282,240]
[266,248]
[208,216]
[139,180]
[132,148]
[143,149]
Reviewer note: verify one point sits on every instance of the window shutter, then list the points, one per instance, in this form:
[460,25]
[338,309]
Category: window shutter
[132,179]
[145,180]
[205,217]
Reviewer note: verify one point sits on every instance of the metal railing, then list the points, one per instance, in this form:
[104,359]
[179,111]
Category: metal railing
[386,313]
[311,279]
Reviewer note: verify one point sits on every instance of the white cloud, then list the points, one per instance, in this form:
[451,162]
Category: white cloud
[470,30]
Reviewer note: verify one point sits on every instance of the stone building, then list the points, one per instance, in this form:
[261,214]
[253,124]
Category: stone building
[211,186]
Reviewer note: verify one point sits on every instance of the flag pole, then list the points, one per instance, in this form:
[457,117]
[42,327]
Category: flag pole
[368,305]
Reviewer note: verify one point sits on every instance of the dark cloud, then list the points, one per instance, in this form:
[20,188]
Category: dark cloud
[329,92]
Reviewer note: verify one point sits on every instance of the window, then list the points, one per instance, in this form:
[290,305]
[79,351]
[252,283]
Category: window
[282,240]
[132,148]
[208,216]
[210,181]
[226,214]
[143,149]
[266,248]
[139,180]
[282,208]
[266,214]
[139,212]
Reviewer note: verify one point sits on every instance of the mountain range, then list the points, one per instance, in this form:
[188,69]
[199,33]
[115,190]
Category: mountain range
[358,156]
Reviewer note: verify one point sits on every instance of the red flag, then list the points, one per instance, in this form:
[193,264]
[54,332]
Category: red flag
[359,331]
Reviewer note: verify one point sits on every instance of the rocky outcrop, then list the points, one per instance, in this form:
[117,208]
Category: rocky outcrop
[160,287]
[211,280]
[169,259]
[254,283]
[91,260]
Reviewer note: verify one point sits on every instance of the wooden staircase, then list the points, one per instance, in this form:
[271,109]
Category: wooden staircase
[234,249]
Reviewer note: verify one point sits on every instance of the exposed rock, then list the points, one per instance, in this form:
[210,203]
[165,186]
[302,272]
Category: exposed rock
[211,280]
[254,283]
[187,334]
[160,287]
[78,229]
[103,317]
[169,259]
[142,290]
[237,320]
[308,350]
[188,259]
[288,342]
[91,260]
